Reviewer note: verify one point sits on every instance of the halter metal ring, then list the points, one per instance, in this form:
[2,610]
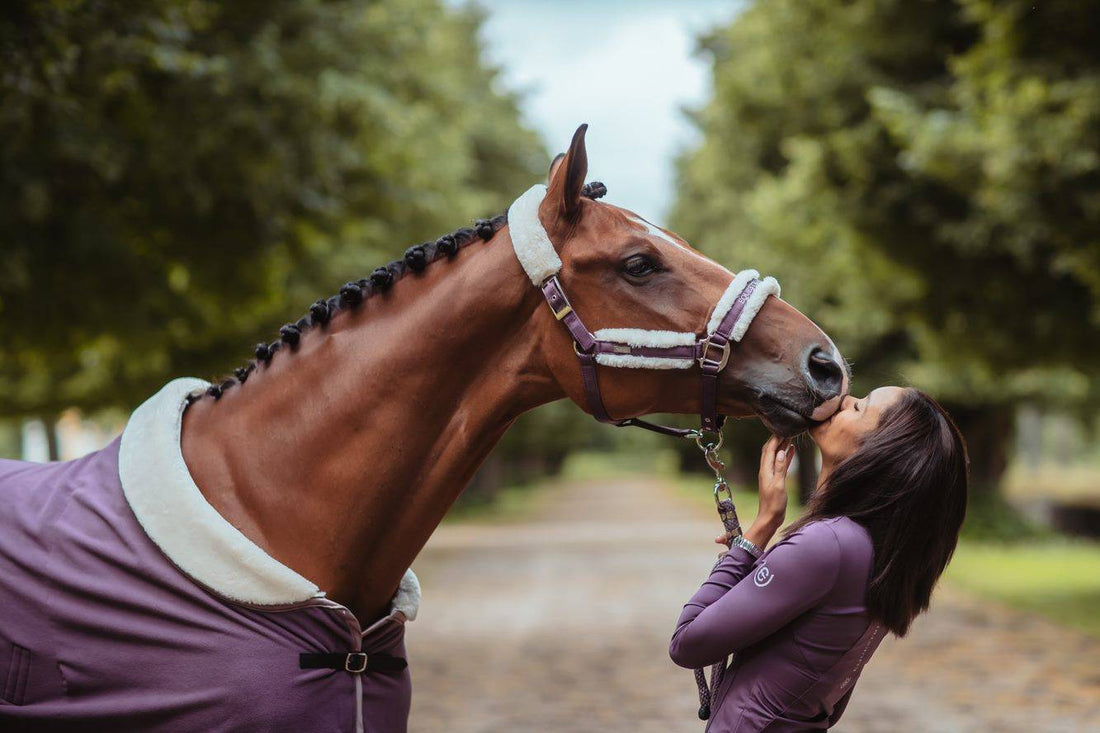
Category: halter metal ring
[705,445]
[721,361]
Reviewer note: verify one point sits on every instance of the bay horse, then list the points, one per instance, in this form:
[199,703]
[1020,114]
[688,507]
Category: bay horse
[173,580]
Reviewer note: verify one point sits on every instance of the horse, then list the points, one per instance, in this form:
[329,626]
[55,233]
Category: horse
[238,559]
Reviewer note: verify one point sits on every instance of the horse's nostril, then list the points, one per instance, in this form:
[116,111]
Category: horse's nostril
[824,373]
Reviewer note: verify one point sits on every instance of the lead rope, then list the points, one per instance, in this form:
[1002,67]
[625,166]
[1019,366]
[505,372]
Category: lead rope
[727,512]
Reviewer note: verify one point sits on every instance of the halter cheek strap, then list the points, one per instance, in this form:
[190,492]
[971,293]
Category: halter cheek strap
[635,348]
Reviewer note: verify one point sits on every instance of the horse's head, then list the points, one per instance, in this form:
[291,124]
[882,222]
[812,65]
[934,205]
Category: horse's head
[637,285]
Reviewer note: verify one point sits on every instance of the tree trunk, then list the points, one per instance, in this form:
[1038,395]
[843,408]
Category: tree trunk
[53,447]
[807,470]
[988,430]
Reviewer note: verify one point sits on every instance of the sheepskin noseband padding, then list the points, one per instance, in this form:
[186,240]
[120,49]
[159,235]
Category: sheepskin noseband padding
[767,286]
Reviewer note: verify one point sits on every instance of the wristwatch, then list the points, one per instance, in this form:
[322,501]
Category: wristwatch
[746,545]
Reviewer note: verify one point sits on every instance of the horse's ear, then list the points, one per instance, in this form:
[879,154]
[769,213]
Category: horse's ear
[567,175]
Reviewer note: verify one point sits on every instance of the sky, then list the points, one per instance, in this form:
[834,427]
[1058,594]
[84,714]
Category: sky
[628,69]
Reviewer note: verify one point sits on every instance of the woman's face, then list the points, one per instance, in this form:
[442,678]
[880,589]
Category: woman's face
[840,436]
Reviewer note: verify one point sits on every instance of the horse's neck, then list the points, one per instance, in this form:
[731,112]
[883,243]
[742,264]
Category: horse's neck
[341,458]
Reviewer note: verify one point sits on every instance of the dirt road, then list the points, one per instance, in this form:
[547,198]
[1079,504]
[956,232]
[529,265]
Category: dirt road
[560,622]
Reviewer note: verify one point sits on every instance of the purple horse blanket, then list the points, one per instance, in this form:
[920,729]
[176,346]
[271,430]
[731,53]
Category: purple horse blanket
[128,603]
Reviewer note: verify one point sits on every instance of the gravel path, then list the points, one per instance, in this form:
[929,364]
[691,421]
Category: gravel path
[560,622]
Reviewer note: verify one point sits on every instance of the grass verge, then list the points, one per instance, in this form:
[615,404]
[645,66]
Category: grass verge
[1058,579]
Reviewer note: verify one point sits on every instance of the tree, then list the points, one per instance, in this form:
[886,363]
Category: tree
[924,179]
[179,177]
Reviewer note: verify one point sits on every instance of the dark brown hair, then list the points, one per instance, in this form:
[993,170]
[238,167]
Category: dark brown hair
[907,485]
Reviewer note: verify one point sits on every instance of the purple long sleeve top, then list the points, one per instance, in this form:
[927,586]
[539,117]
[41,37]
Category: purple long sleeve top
[795,621]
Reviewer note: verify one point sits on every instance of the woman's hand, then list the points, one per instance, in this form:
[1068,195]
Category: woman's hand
[775,461]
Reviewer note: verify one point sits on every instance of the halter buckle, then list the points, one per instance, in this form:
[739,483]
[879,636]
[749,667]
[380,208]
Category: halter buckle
[555,298]
[560,314]
[723,356]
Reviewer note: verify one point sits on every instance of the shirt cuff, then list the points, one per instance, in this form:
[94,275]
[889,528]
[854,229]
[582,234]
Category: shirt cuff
[737,561]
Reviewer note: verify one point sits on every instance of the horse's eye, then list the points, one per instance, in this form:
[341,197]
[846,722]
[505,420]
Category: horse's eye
[640,265]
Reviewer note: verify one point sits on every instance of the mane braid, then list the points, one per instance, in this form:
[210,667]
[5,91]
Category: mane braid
[352,294]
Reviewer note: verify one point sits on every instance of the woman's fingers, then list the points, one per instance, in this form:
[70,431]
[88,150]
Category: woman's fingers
[775,457]
[782,461]
[775,460]
[767,456]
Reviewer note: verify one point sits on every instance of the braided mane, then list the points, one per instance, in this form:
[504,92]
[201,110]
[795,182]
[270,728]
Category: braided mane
[352,294]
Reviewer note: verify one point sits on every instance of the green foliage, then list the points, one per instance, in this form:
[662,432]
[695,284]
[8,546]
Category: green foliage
[180,176]
[11,443]
[539,441]
[1056,579]
[923,177]
[989,517]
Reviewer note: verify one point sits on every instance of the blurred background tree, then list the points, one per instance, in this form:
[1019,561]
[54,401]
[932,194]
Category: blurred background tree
[181,176]
[925,178]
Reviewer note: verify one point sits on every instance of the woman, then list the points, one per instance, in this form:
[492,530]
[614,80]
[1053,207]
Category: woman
[804,617]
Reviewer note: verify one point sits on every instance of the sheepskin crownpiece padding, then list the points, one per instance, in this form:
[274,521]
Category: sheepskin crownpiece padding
[191,532]
[532,244]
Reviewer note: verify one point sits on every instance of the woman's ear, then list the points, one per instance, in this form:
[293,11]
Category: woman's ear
[567,176]
[555,164]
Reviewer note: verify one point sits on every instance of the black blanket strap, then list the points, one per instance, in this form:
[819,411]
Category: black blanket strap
[354,662]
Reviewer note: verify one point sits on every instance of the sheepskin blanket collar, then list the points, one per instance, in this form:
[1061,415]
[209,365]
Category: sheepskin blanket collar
[194,536]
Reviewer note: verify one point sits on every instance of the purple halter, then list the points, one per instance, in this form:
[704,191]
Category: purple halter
[666,350]
[711,352]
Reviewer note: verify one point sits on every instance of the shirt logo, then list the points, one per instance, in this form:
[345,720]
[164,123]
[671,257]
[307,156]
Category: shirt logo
[763,577]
